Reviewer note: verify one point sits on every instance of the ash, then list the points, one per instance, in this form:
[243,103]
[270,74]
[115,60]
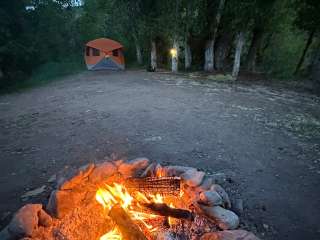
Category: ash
[186,230]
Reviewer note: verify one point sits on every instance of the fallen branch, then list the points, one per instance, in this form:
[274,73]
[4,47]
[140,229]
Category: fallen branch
[128,229]
[163,209]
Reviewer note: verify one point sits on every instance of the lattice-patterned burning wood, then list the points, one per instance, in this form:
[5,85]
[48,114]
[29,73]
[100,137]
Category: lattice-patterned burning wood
[155,185]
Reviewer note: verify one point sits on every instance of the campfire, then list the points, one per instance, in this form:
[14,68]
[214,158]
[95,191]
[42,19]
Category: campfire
[143,211]
[133,200]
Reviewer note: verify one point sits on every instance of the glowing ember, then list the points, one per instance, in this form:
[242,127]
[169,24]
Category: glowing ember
[112,235]
[132,204]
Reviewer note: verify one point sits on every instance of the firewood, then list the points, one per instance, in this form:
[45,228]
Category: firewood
[155,185]
[128,229]
[163,209]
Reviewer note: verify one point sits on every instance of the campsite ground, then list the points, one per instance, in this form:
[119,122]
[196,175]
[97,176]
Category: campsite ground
[266,140]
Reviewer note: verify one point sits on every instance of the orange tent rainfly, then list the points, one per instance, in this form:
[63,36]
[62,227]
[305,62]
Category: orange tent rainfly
[104,53]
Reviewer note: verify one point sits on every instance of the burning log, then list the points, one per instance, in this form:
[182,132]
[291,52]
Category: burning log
[155,185]
[128,229]
[163,209]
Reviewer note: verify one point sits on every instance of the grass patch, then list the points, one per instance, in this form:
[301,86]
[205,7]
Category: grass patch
[304,125]
[44,74]
[301,125]
[221,77]
[134,65]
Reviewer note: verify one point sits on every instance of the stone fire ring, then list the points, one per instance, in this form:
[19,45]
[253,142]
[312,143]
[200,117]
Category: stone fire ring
[75,189]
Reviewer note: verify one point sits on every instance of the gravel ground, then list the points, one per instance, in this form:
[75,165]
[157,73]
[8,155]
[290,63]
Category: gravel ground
[265,140]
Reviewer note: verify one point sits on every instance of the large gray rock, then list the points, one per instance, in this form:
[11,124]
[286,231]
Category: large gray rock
[71,178]
[118,162]
[192,177]
[225,219]
[174,171]
[134,167]
[5,235]
[190,194]
[61,202]
[44,218]
[149,171]
[224,195]
[219,177]
[206,184]
[25,221]
[237,206]
[210,198]
[34,192]
[102,171]
[230,235]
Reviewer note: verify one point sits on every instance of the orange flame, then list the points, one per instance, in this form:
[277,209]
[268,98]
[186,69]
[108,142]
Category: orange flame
[117,194]
[114,234]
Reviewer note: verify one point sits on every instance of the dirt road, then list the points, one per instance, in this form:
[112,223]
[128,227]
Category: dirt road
[265,140]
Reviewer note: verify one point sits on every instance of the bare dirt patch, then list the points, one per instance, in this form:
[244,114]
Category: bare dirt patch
[265,140]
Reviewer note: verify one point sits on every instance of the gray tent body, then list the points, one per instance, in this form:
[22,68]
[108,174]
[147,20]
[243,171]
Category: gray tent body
[106,64]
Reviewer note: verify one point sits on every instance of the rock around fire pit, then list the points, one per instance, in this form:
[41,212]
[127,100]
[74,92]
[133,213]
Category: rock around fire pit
[172,202]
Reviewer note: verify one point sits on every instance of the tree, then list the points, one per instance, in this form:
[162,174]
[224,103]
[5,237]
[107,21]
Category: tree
[241,13]
[187,48]
[213,34]
[35,35]
[175,47]
[190,22]
[154,24]
[13,48]
[136,25]
[307,20]
[213,29]
[263,14]
[237,57]
[315,67]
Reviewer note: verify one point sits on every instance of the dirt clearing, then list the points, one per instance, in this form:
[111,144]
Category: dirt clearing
[265,141]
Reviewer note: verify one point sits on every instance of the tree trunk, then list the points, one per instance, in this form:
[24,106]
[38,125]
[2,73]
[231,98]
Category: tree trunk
[138,53]
[153,55]
[222,50]
[208,56]
[315,69]
[187,55]
[175,57]
[187,49]
[254,49]
[267,41]
[209,50]
[237,57]
[308,43]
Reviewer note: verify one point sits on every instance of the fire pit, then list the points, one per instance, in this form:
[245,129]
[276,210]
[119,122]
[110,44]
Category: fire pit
[133,200]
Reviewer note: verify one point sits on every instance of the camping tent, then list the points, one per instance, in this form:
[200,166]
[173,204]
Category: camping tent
[104,53]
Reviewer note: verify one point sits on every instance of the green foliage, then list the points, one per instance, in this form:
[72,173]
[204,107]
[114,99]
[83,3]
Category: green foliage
[284,49]
[307,17]
[31,38]
[280,60]
[14,54]
[44,74]
[52,70]
[35,43]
